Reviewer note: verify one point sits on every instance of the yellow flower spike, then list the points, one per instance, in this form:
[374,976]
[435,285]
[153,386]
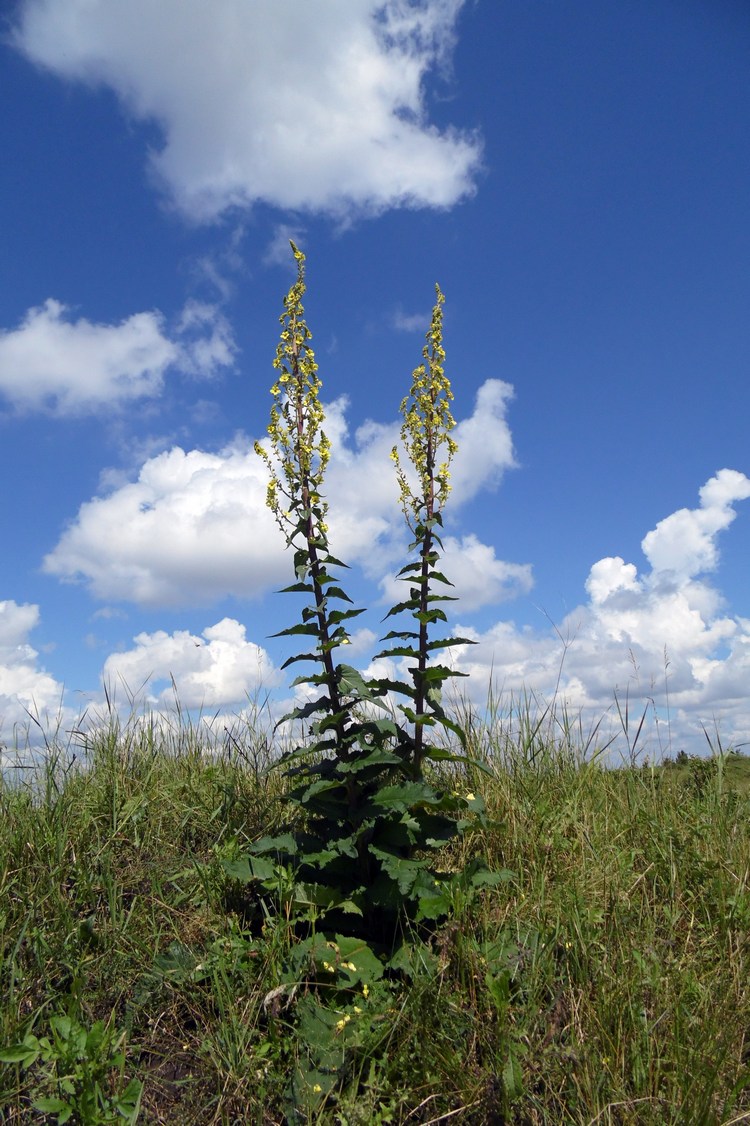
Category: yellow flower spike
[299,450]
[426,428]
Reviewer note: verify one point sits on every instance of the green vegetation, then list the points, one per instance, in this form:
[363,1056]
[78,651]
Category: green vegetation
[410,914]
[352,871]
[608,980]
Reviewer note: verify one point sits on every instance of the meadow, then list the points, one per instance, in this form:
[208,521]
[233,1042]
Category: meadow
[407,913]
[605,979]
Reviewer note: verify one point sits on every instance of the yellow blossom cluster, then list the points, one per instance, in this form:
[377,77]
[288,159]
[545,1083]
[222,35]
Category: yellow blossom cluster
[299,449]
[426,427]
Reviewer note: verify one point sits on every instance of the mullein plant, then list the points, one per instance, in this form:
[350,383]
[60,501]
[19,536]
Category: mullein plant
[427,442]
[350,869]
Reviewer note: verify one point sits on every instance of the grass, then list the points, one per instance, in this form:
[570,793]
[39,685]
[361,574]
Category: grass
[606,981]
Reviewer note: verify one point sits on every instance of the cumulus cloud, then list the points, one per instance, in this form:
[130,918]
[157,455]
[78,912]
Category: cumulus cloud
[217,669]
[485,443]
[66,366]
[25,687]
[314,107]
[194,527]
[684,544]
[659,636]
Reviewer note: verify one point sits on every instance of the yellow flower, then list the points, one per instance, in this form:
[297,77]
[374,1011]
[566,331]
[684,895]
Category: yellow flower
[471,797]
[317,1089]
[365,991]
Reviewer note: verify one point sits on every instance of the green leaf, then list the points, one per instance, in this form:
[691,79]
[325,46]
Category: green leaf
[297,588]
[440,577]
[322,704]
[336,562]
[304,657]
[402,871]
[378,757]
[410,568]
[54,1106]
[352,683]
[433,906]
[397,651]
[283,844]
[337,616]
[310,630]
[128,1102]
[426,617]
[25,1052]
[398,686]
[412,604]
[405,795]
[440,754]
[450,641]
[337,592]
[368,967]
[62,1025]
[512,1076]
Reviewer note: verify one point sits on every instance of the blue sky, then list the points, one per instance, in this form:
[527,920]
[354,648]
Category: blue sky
[577,178]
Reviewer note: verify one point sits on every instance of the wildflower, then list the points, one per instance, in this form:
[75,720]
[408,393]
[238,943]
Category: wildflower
[471,797]
[365,991]
[349,966]
[317,1089]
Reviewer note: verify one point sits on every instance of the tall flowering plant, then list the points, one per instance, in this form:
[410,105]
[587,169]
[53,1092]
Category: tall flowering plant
[427,443]
[351,863]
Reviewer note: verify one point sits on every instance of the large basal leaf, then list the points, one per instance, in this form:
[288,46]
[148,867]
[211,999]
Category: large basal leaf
[403,872]
[405,795]
[377,757]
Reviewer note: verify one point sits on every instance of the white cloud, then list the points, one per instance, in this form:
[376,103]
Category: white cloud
[660,636]
[24,686]
[316,107]
[684,543]
[194,527]
[411,322]
[62,366]
[217,669]
[485,444]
